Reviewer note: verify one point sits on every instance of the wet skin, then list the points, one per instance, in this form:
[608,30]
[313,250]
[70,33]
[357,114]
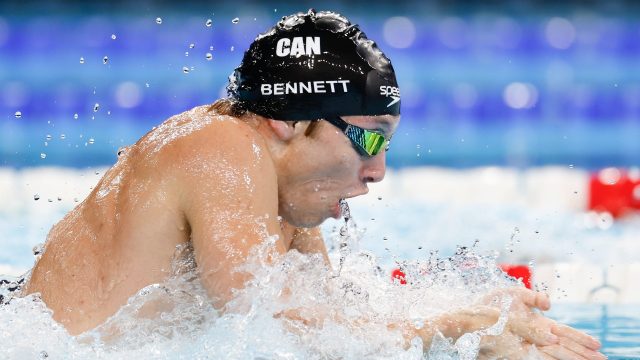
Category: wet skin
[216,181]
[223,185]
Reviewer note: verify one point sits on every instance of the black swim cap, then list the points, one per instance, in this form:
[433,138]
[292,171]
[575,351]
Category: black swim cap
[310,66]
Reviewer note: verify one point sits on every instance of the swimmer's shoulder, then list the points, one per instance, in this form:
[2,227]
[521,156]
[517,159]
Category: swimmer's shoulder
[228,159]
[223,136]
[200,133]
[201,139]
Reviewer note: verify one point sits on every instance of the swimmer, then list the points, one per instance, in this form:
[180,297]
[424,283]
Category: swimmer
[310,113]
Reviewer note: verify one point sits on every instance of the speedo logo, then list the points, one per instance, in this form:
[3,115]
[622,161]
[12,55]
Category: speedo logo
[298,46]
[302,87]
[390,91]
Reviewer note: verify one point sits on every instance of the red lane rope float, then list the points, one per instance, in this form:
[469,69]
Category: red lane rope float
[399,276]
[522,272]
[519,272]
[615,191]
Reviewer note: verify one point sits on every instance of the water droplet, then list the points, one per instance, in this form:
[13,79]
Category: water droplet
[113,36]
[18,114]
[43,354]
[186,53]
[96,107]
[43,155]
[232,48]
[50,200]
[385,238]
[121,152]
[208,23]
[37,249]
[109,112]
[192,45]
[275,10]
[235,20]
[63,136]
[48,137]
[211,48]
[91,141]
[185,69]
[570,166]
[379,197]
[59,198]
[209,56]
[105,60]
[158,20]
[75,116]
[36,197]
[146,84]
[75,199]
[81,60]
[46,143]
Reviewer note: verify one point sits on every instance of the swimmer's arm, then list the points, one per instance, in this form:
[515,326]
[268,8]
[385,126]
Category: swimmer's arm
[309,241]
[229,201]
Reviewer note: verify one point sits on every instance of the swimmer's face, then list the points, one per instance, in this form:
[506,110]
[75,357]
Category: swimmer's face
[325,167]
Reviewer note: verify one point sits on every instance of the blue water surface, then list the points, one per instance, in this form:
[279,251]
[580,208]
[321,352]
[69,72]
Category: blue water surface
[617,327]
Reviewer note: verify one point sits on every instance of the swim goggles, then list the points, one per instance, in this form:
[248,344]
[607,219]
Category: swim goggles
[367,143]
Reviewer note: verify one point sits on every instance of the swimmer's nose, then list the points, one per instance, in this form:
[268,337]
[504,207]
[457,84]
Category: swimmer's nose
[373,168]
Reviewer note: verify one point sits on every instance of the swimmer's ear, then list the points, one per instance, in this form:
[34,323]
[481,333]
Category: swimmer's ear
[286,130]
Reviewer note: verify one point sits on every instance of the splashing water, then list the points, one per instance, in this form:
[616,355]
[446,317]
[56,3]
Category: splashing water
[295,307]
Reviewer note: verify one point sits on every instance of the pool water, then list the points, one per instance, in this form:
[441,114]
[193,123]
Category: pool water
[617,327]
[534,217]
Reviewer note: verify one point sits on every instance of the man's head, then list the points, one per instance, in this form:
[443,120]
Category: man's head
[317,70]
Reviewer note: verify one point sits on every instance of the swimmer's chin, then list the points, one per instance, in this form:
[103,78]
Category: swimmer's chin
[336,210]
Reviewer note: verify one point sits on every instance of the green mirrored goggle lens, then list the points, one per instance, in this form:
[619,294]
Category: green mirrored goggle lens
[373,142]
[366,142]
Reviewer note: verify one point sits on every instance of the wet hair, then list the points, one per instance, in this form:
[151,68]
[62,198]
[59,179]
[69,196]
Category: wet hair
[228,106]
[231,107]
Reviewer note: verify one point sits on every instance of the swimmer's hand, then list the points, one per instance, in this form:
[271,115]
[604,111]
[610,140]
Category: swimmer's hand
[553,340]
[524,327]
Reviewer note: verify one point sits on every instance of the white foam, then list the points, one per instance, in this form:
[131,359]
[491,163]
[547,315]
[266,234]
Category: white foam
[432,208]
